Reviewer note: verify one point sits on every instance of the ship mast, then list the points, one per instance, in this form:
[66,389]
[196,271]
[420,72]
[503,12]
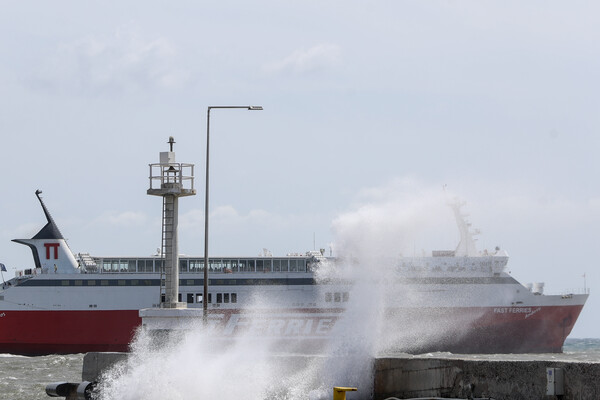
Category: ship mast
[466,247]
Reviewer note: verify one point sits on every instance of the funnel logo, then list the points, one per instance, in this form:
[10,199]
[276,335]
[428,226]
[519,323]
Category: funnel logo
[49,246]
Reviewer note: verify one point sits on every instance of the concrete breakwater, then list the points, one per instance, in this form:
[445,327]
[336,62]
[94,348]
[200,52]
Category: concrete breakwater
[406,377]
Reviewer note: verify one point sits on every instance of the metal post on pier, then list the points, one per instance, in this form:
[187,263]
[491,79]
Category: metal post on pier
[205,292]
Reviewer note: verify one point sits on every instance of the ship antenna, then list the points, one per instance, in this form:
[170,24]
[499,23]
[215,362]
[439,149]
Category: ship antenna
[50,230]
[46,212]
[171,142]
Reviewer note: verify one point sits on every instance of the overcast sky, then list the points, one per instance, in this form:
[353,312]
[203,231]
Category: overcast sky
[371,109]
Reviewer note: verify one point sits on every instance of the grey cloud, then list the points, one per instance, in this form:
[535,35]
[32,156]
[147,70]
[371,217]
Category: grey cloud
[125,61]
[318,57]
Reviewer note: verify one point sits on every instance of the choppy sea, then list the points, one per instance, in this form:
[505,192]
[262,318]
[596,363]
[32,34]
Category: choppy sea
[25,378]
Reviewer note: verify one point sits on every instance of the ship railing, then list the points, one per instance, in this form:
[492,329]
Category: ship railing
[571,292]
[199,271]
[7,284]
[30,272]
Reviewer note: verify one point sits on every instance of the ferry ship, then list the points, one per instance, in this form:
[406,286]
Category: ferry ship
[461,301]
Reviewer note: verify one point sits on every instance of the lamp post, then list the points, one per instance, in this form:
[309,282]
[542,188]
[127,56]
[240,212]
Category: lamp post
[205,293]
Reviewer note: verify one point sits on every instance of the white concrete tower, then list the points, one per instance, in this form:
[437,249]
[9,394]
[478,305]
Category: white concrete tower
[174,180]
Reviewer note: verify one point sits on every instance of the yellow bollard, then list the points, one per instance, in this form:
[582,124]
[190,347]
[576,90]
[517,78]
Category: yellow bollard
[339,393]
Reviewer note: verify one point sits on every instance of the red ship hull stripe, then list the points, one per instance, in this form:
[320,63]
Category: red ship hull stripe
[490,329]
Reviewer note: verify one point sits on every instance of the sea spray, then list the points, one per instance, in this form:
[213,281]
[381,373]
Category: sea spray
[200,363]
[383,239]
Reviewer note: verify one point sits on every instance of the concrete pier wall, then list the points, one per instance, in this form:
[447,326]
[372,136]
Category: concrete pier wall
[457,378]
[410,377]
[94,364]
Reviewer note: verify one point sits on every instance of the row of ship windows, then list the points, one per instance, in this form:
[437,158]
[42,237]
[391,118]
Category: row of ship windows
[413,268]
[337,297]
[191,265]
[192,298]
[297,281]
[224,298]
[105,282]
[182,282]
[482,266]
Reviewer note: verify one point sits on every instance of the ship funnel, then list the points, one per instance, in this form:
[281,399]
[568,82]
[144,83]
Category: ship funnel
[50,250]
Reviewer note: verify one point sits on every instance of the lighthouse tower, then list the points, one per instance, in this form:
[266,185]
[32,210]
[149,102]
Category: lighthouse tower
[171,180]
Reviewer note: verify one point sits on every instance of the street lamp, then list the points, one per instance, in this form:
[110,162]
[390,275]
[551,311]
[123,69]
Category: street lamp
[205,293]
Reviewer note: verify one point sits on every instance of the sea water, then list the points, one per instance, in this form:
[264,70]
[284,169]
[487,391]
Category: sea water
[25,378]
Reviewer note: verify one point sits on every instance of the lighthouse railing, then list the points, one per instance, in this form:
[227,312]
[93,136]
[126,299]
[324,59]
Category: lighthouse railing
[172,173]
